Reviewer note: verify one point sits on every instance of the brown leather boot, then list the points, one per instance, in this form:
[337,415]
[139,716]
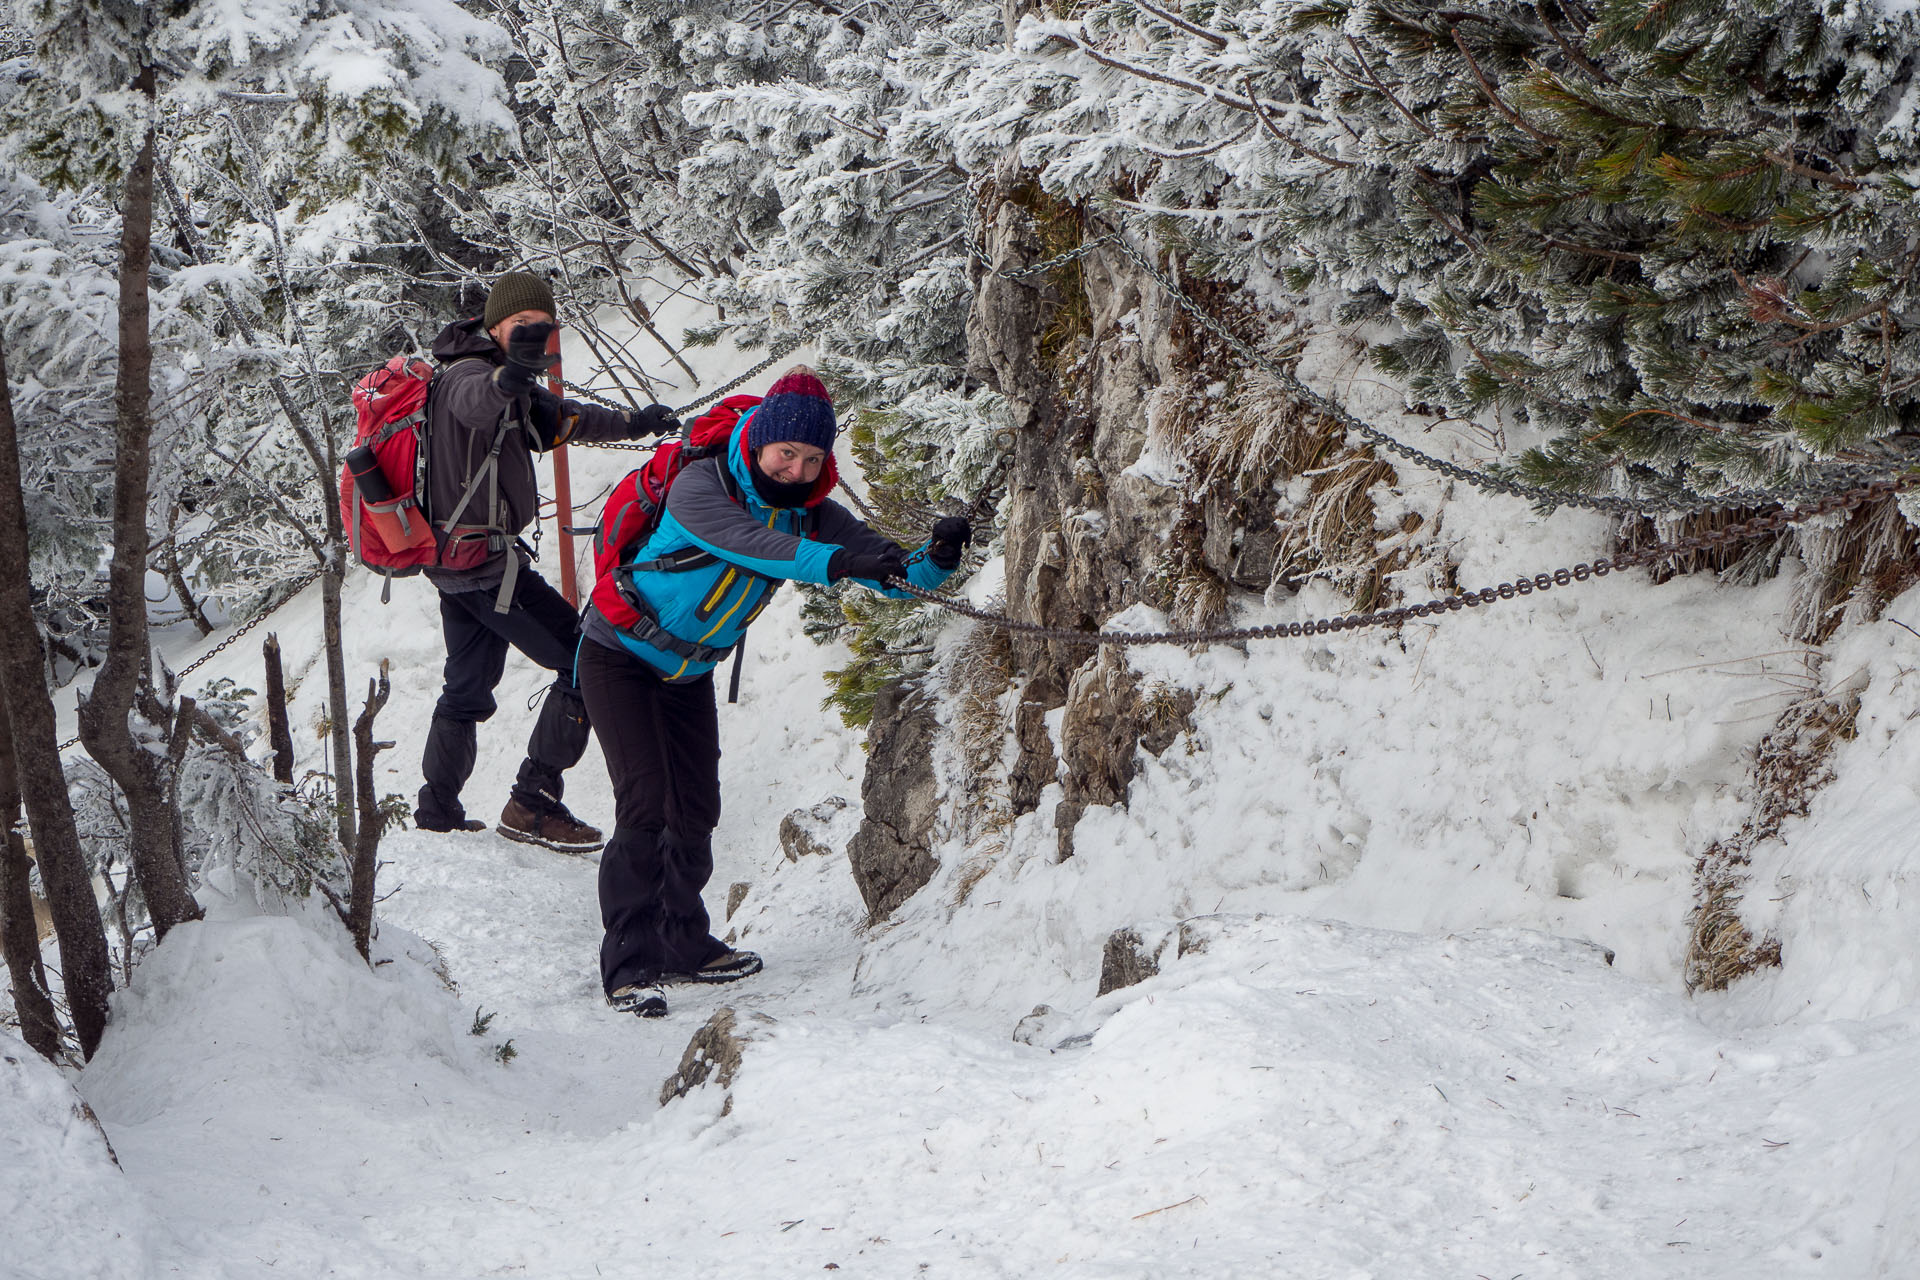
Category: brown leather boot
[556,829]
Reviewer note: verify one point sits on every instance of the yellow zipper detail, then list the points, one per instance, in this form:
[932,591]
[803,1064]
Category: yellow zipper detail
[746,589]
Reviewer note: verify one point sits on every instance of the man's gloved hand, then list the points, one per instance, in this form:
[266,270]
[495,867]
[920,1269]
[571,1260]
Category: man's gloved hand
[950,538]
[654,420]
[873,566]
[527,358]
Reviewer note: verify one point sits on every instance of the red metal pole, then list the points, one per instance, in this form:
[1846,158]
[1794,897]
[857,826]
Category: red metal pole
[562,491]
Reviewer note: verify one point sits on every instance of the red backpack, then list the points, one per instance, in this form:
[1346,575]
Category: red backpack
[633,508]
[384,472]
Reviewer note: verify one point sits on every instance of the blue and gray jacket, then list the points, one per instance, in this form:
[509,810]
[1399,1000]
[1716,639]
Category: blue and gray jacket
[737,551]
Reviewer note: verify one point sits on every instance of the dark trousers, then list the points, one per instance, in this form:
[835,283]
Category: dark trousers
[542,625]
[662,746]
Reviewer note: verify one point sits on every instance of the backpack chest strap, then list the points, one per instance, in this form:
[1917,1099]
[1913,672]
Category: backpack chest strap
[647,630]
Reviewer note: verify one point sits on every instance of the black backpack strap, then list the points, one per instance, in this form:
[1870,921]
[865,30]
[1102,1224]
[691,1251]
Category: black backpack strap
[674,562]
[733,681]
[648,631]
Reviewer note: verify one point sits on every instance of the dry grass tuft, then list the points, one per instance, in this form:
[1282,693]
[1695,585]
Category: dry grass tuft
[975,869]
[1794,761]
[982,672]
[1163,712]
[1854,570]
[1720,947]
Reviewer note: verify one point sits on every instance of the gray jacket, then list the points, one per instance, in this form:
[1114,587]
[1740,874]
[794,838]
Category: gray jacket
[465,417]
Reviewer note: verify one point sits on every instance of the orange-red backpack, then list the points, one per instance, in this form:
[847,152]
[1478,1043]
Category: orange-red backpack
[634,507]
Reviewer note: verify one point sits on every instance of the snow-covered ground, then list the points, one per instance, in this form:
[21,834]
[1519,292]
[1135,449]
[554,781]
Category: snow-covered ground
[1397,1050]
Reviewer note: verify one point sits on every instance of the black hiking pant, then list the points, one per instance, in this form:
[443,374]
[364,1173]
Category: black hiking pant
[662,746]
[540,624]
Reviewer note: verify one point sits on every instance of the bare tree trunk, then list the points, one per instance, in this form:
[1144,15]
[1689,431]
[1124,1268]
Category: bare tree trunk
[331,551]
[125,682]
[176,576]
[85,969]
[343,785]
[366,853]
[19,936]
[279,733]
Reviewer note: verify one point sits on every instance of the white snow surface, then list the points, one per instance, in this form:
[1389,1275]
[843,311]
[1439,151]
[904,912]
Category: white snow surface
[1388,1042]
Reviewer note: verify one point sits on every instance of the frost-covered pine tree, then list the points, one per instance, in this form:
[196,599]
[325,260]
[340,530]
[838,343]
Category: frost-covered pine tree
[343,88]
[1670,245]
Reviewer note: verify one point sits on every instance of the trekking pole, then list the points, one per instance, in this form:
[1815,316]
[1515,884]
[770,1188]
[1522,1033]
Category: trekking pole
[562,487]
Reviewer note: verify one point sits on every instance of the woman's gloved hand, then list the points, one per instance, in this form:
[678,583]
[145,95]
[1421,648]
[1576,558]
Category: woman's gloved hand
[949,541]
[874,566]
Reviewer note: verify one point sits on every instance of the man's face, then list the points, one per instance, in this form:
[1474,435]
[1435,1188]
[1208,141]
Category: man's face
[502,333]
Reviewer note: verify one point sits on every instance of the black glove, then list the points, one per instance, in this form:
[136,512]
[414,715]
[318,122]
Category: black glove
[871,565]
[950,537]
[654,420]
[527,358]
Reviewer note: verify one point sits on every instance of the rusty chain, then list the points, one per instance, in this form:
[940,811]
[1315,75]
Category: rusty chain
[776,353]
[299,585]
[1760,525]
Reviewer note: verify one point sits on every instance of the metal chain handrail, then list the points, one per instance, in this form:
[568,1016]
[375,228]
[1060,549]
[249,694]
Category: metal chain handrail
[1016,274]
[299,585]
[1758,526]
[776,353]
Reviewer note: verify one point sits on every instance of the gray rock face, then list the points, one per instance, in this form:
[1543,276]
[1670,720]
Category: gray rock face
[1106,721]
[1130,958]
[1136,953]
[715,1054]
[892,853]
[1102,375]
[1085,528]
[1035,766]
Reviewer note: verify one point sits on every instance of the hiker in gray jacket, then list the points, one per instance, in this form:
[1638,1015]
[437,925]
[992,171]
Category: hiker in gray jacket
[487,416]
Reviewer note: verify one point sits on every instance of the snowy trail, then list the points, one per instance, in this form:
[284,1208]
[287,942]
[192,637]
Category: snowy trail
[1300,1097]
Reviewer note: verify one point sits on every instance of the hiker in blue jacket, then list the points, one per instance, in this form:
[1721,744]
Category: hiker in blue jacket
[735,527]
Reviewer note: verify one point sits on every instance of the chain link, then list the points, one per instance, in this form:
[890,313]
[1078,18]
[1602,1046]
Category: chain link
[1016,274]
[1759,526]
[300,585]
[776,353]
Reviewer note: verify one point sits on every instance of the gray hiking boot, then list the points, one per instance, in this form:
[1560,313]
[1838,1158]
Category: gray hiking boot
[730,966]
[642,1002]
[556,829]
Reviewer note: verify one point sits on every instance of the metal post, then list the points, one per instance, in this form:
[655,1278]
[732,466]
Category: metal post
[562,490]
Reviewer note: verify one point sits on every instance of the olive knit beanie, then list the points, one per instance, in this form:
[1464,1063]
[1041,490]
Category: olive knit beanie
[514,292]
[797,408]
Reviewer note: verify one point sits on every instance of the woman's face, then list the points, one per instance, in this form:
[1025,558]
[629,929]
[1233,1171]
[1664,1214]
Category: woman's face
[790,462]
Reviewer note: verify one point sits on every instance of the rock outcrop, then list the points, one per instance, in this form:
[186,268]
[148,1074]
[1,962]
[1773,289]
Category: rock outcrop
[715,1053]
[892,853]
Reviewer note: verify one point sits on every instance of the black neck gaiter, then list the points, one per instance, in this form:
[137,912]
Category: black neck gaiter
[775,493]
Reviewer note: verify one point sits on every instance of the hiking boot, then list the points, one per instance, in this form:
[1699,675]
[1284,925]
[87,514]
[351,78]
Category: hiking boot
[459,824]
[642,1002]
[556,829]
[730,966]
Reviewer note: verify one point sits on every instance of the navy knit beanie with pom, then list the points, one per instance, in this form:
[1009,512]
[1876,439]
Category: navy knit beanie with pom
[795,408]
